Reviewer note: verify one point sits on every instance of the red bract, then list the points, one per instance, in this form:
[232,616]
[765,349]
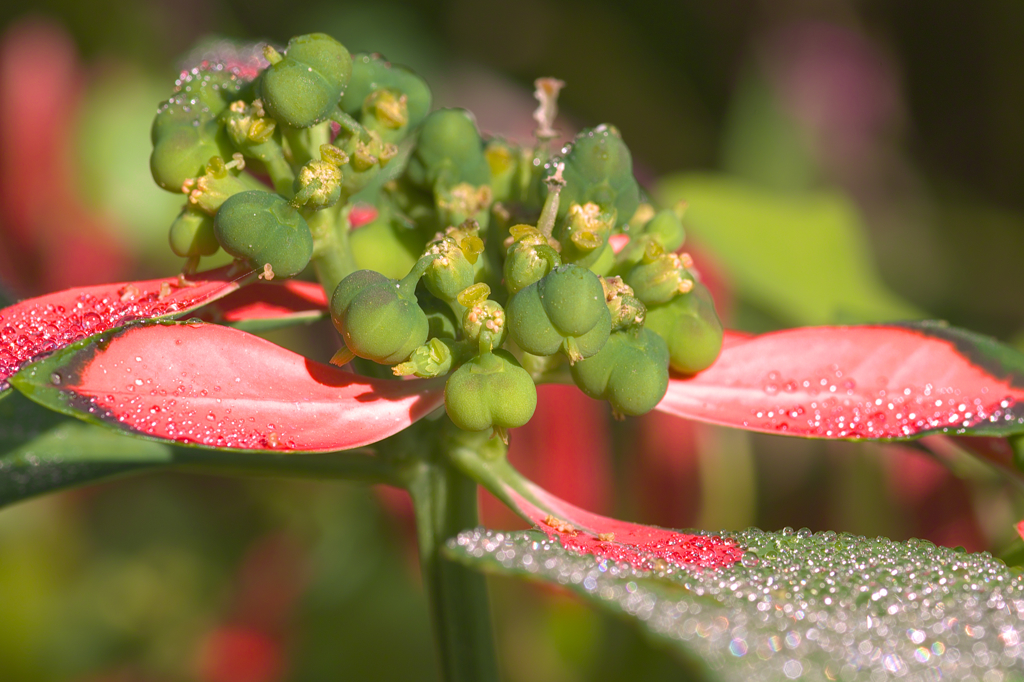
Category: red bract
[270,300]
[878,382]
[41,325]
[203,384]
[644,547]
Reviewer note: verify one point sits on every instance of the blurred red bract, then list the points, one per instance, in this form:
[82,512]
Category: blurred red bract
[48,239]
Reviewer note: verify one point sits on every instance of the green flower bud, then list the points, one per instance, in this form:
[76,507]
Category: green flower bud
[379,92]
[484,325]
[529,258]
[690,327]
[584,233]
[211,189]
[630,372]
[183,144]
[192,233]
[449,151]
[660,277]
[626,310]
[186,133]
[364,162]
[490,391]
[210,87]
[450,272]
[318,185]
[564,311]
[432,359]
[503,161]
[257,136]
[263,229]
[378,318]
[303,88]
[463,202]
[599,169]
[667,228]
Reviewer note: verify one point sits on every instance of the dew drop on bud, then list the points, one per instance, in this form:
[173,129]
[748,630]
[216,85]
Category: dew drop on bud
[55,379]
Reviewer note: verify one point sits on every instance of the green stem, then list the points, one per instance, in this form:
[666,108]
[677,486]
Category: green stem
[332,257]
[304,143]
[493,471]
[280,171]
[495,474]
[445,503]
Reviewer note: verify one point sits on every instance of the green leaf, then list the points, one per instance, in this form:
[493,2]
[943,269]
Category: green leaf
[42,451]
[801,257]
[813,606]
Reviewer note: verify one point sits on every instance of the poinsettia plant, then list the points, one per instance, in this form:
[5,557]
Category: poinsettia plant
[460,272]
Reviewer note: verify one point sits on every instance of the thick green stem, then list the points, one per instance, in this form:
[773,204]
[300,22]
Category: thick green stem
[281,173]
[304,143]
[445,504]
[332,257]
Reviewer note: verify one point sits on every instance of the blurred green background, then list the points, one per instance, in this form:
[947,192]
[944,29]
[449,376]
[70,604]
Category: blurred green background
[843,162]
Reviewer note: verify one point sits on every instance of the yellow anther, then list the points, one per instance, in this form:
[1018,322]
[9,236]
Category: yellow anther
[389,109]
[473,294]
[271,55]
[216,167]
[472,247]
[653,251]
[520,232]
[387,152]
[363,159]
[333,155]
[261,130]
[586,241]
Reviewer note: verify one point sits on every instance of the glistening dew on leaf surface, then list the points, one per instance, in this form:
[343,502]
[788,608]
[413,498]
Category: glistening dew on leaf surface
[459,271]
[821,606]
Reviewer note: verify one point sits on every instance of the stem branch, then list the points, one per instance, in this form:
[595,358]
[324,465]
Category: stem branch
[445,503]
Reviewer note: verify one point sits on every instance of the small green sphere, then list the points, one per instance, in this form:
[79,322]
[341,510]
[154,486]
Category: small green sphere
[630,372]
[181,149]
[449,149]
[573,299]
[599,168]
[192,233]
[304,87]
[690,327]
[566,310]
[490,390]
[372,72]
[376,320]
[262,228]
[528,263]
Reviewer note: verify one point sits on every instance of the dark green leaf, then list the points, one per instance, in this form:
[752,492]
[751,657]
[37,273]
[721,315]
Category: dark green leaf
[821,606]
[42,451]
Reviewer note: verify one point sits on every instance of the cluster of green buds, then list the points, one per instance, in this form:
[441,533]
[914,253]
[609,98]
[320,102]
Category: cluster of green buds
[496,264]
